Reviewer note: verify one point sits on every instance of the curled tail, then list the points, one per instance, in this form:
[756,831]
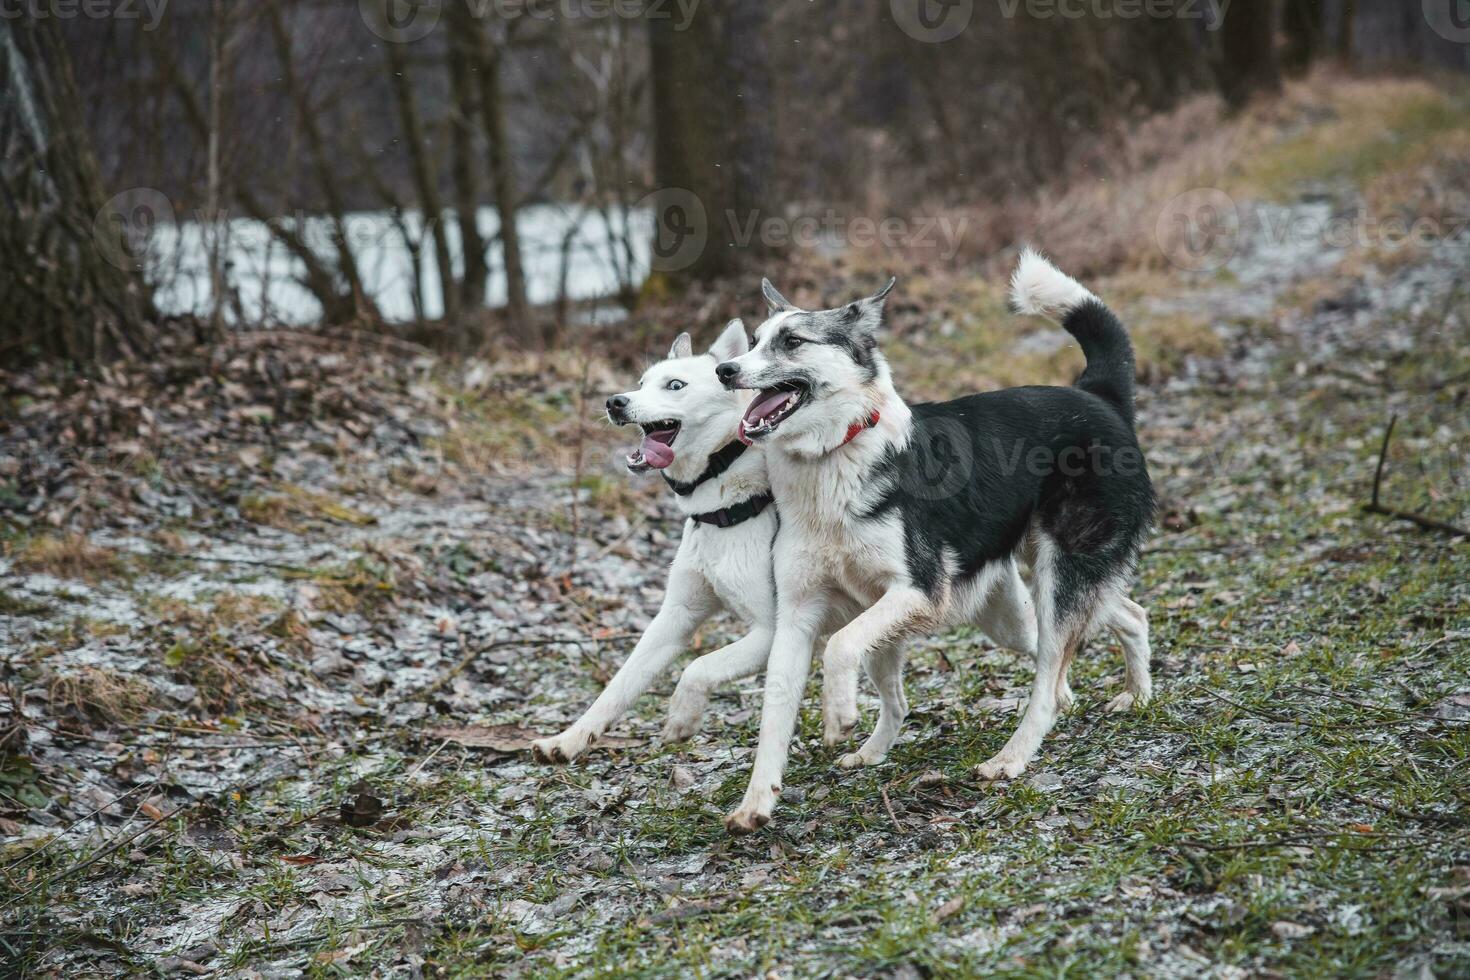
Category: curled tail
[1040,288]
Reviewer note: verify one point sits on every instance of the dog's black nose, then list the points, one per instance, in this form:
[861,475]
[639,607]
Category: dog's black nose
[727,372]
[616,404]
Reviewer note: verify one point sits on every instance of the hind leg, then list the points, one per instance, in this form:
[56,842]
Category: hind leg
[1059,633]
[1129,623]
[1065,696]
[884,665]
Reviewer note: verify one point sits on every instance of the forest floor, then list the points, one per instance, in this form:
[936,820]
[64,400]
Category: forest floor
[279,618]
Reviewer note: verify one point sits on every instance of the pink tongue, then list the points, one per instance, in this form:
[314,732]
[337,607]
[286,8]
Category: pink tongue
[765,405]
[657,454]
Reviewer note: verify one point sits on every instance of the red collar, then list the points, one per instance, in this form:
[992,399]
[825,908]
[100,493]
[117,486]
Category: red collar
[858,428]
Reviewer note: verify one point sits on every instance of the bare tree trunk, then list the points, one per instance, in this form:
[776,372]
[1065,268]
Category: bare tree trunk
[503,184]
[218,223]
[321,161]
[750,136]
[1302,23]
[713,123]
[463,165]
[424,177]
[1248,64]
[1345,40]
[69,289]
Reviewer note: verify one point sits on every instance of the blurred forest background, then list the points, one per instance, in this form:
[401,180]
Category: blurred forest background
[194,164]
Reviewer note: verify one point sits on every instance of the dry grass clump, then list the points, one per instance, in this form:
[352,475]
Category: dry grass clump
[70,556]
[280,509]
[221,611]
[101,695]
[528,412]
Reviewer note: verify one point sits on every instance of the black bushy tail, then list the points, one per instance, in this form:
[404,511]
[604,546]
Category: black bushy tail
[1110,369]
[1041,288]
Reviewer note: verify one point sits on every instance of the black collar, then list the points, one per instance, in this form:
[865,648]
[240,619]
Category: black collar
[718,463]
[737,514]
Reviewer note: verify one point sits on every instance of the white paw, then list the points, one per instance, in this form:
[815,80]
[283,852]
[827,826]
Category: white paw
[563,748]
[684,718]
[838,722]
[860,758]
[685,714]
[754,812]
[1002,765]
[679,730]
[1125,702]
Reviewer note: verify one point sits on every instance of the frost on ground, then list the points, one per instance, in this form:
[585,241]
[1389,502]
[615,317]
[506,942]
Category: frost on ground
[269,714]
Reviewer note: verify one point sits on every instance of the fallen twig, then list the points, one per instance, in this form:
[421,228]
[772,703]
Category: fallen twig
[105,852]
[1442,819]
[210,560]
[888,805]
[1375,507]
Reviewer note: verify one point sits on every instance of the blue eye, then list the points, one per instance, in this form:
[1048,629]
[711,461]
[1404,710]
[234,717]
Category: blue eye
[674,385]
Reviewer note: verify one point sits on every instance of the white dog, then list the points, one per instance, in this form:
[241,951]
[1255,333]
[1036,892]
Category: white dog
[690,425]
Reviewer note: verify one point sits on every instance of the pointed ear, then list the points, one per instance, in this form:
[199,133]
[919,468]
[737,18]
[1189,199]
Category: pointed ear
[731,343]
[683,346]
[877,298]
[867,314]
[774,300]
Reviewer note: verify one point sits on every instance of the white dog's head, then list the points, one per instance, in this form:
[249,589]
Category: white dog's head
[815,371]
[683,410]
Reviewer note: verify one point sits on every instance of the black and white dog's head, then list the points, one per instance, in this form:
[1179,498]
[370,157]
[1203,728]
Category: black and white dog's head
[680,401]
[815,371]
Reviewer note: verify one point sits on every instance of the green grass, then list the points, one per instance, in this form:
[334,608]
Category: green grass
[1364,138]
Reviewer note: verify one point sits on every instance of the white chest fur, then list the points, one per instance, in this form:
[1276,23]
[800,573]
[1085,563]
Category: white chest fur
[826,507]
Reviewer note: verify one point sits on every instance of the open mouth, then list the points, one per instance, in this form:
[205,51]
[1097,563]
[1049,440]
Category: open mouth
[771,407]
[657,449]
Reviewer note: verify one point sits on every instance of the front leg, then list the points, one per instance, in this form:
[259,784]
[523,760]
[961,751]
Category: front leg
[786,672]
[744,657]
[687,603]
[894,614]
[1008,613]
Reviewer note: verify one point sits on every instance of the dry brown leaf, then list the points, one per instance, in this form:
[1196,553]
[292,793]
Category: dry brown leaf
[949,909]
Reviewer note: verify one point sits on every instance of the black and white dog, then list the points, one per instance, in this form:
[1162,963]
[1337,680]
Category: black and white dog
[915,514]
